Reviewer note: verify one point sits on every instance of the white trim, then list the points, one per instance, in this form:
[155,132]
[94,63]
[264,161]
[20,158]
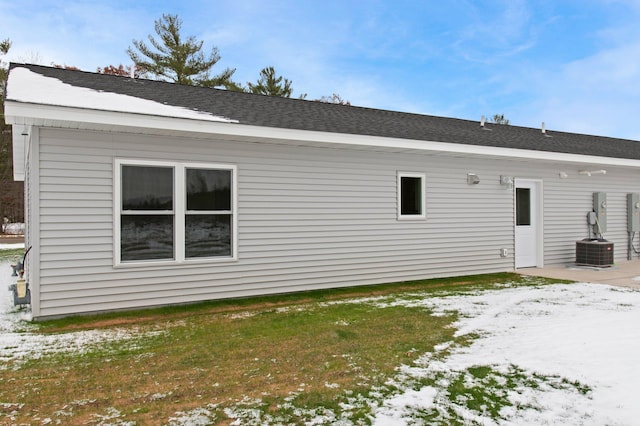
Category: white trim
[540,213]
[179,205]
[33,258]
[179,212]
[68,117]
[423,212]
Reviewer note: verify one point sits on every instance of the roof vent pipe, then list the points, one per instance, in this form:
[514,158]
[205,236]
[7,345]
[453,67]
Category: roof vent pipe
[543,129]
[132,73]
[482,121]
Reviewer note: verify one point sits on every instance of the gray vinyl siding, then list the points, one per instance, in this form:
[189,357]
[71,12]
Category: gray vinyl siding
[567,202]
[308,218]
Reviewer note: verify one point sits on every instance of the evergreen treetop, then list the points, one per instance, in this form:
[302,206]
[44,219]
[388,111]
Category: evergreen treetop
[173,58]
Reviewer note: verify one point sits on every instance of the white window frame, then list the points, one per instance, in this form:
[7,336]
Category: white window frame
[179,211]
[423,204]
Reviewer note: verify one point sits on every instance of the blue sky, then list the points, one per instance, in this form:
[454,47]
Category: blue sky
[573,64]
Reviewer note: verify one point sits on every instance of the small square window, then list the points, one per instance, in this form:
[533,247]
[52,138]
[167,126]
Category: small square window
[411,198]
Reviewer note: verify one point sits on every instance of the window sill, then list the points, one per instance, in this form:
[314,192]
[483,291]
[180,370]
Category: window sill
[416,218]
[174,263]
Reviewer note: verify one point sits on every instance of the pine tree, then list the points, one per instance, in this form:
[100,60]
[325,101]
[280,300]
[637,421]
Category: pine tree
[334,99]
[5,45]
[500,119]
[271,85]
[179,60]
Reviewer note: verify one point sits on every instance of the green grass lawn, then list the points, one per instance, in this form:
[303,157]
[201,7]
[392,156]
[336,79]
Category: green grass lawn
[278,359]
[11,254]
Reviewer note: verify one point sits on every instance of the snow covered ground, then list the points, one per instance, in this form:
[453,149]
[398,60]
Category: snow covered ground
[18,342]
[556,335]
[10,319]
[564,353]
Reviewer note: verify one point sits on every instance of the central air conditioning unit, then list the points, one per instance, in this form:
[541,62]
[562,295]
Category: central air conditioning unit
[594,253]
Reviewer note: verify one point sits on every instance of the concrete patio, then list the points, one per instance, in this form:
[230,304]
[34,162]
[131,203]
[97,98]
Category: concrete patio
[626,273]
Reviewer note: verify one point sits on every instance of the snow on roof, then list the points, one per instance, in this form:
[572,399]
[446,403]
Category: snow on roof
[30,87]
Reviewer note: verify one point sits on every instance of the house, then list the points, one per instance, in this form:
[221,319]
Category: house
[143,193]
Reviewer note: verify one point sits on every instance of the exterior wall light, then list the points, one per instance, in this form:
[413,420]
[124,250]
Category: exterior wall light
[506,181]
[592,172]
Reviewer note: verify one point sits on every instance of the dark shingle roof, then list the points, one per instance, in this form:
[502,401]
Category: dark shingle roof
[258,110]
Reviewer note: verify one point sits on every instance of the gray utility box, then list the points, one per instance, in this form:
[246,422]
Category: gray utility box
[633,212]
[594,252]
[600,207]
[19,299]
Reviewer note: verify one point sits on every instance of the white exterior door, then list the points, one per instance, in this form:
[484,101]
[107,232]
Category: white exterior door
[528,232]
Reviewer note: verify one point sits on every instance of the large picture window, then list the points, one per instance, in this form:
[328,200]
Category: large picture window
[411,199]
[174,211]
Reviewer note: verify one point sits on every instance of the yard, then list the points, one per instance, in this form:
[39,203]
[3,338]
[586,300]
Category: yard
[499,349]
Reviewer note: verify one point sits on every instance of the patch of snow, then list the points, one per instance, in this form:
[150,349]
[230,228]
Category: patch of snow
[569,333]
[159,396]
[397,407]
[18,342]
[246,412]
[112,417]
[10,318]
[82,402]
[242,315]
[562,353]
[195,417]
[13,228]
[30,87]
[11,246]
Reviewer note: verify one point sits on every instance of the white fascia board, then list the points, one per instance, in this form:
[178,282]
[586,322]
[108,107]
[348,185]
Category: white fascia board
[445,147]
[69,117]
